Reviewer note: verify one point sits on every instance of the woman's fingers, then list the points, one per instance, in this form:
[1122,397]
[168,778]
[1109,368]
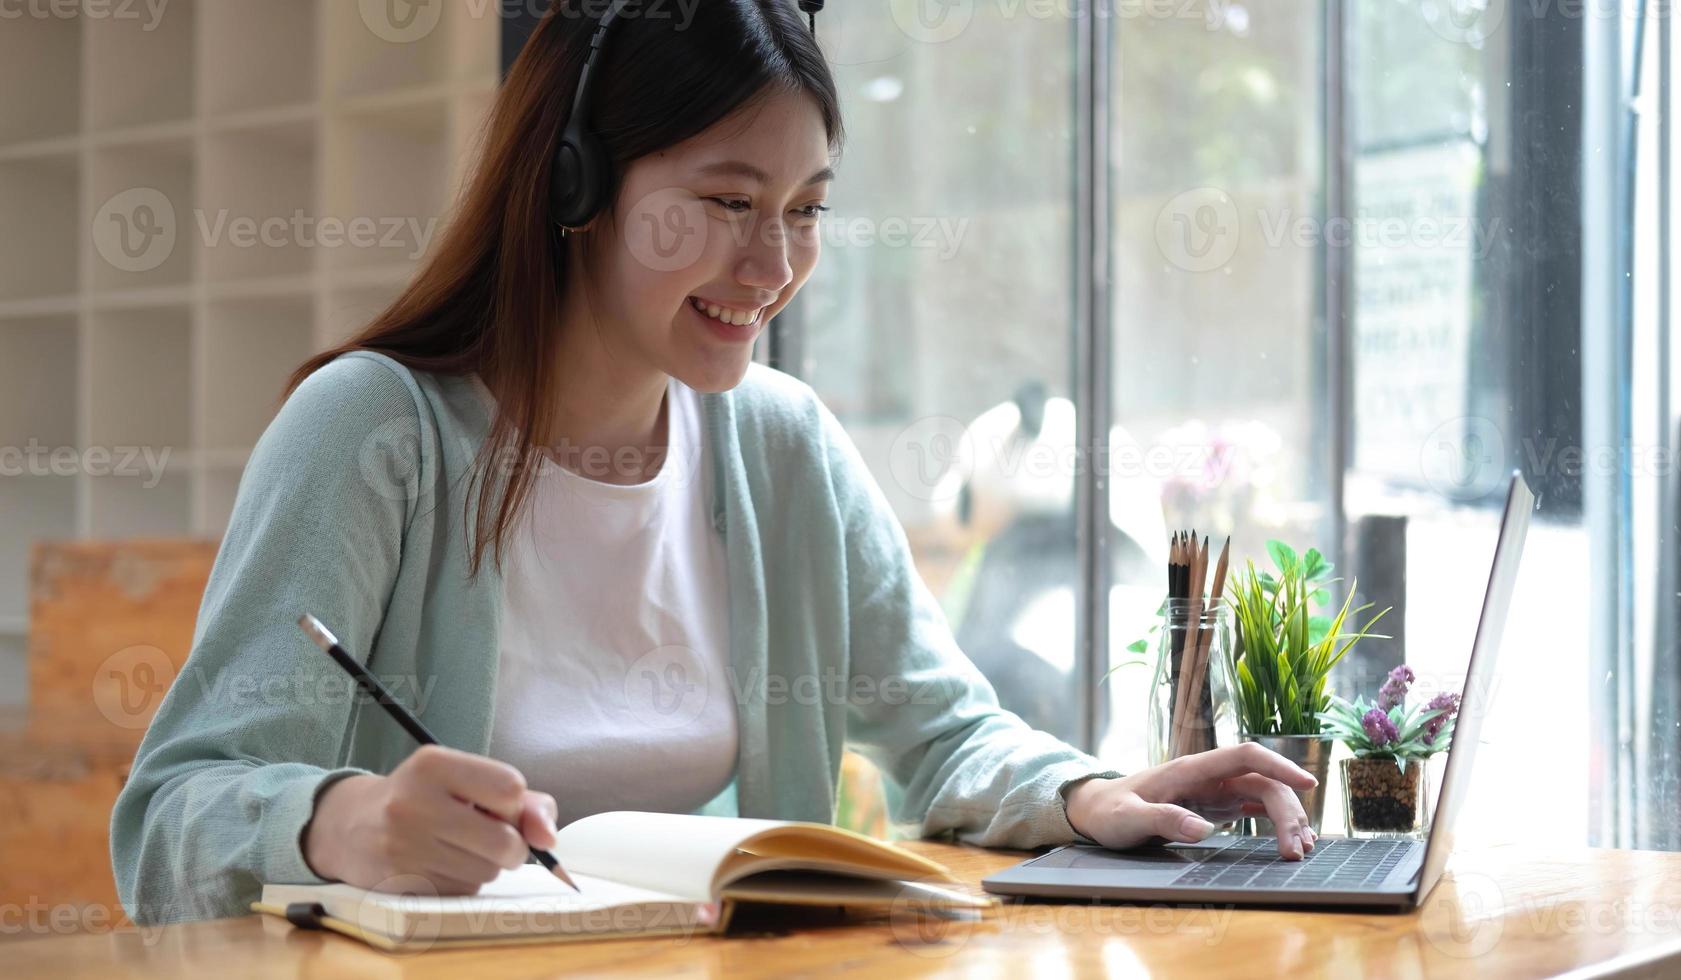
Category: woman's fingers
[1283,808]
[479,834]
[447,863]
[1225,810]
[1238,760]
[1173,822]
[537,819]
[494,785]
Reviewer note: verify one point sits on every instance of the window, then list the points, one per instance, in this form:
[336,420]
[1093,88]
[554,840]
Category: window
[1353,266]
[939,325]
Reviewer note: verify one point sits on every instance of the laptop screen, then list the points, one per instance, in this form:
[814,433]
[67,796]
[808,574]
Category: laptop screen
[1479,678]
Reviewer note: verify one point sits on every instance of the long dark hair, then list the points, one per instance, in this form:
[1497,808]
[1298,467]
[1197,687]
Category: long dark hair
[488,298]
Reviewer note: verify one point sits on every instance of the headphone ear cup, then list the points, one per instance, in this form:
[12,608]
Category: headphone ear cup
[581,173]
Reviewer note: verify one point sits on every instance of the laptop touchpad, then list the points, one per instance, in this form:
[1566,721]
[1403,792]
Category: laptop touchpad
[1136,866]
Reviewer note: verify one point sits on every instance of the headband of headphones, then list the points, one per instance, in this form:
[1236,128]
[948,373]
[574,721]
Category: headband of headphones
[582,170]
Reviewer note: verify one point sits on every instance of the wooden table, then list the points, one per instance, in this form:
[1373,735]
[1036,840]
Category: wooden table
[1499,912]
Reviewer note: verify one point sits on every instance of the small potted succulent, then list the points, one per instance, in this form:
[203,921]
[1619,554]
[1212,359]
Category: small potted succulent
[1384,790]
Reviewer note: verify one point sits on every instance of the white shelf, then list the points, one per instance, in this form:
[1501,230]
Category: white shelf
[391,172]
[139,379]
[347,309]
[134,506]
[120,323]
[218,488]
[37,507]
[475,51]
[40,195]
[143,232]
[256,54]
[39,407]
[249,349]
[257,199]
[43,57]
[140,65]
[381,47]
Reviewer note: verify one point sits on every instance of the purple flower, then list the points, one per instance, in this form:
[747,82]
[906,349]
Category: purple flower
[1394,690]
[1448,705]
[1379,728]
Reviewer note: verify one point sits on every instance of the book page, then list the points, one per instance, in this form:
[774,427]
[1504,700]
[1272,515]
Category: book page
[676,853]
[694,856]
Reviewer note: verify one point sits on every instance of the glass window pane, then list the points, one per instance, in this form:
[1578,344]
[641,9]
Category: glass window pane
[938,325]
[1218,347]
[1466,340]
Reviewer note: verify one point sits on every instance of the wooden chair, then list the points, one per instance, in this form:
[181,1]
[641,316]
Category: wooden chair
[110,625]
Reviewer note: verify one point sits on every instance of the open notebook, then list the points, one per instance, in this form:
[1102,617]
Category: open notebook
[641,874]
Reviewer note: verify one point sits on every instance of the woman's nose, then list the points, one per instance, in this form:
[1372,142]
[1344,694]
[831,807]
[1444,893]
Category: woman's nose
[764,263]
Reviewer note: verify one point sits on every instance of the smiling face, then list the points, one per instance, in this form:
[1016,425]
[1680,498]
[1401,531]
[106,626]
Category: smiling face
[710,239]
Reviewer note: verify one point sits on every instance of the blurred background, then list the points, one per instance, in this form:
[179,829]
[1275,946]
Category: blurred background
[1298,269]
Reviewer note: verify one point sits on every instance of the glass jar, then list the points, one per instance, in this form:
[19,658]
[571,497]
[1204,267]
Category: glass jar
[1204,717]
[1384,799]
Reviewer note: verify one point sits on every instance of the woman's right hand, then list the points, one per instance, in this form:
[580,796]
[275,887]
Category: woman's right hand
[369,830]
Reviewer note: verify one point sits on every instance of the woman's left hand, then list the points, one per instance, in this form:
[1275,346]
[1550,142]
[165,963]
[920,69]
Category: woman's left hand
[1248,779]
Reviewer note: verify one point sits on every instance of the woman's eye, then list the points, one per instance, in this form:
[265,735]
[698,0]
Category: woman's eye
[811,211]
[733,205]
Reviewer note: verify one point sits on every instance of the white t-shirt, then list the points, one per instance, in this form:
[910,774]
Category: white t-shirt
[611,689]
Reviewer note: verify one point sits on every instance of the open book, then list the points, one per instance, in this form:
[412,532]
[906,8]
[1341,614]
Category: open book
[640,874]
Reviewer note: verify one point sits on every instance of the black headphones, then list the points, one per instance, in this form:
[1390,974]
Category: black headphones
[582,171]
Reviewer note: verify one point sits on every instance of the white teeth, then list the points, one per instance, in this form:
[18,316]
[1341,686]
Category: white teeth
[735,317]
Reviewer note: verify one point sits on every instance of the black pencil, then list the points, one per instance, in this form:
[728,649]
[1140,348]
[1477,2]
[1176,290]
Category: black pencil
[330,645]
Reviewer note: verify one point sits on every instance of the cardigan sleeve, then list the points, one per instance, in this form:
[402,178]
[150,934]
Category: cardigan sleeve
[920,710]
[225,779]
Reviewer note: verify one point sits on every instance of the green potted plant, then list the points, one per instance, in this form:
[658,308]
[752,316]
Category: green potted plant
[1385,792]
[1282,655]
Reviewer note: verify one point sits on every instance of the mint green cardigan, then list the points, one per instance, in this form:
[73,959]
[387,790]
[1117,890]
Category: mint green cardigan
[351,509]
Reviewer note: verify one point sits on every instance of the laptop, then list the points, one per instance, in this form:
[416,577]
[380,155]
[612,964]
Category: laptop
[1339,872]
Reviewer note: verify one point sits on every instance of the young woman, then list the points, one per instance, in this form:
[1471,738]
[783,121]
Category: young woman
[611,562]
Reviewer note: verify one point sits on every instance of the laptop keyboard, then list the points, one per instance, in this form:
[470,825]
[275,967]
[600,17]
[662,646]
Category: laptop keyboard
[1334,863]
